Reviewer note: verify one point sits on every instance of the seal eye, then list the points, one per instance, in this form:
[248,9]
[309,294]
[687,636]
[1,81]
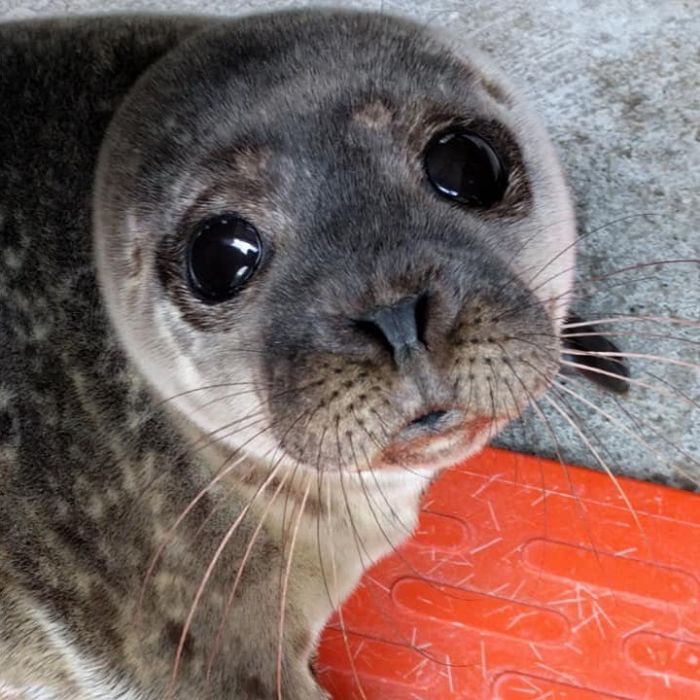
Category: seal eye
[223,254]
[463,166]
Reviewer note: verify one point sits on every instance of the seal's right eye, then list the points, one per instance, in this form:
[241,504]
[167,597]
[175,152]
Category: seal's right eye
[222,256]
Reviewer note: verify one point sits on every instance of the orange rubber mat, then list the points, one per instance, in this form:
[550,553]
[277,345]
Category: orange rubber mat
[528,581]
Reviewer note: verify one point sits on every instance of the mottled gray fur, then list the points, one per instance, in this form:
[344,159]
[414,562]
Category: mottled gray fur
[312,125]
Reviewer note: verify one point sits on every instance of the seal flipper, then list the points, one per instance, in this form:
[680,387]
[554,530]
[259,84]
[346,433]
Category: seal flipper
[592,366]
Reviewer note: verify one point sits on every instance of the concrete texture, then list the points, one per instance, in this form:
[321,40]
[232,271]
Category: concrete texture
[618,83]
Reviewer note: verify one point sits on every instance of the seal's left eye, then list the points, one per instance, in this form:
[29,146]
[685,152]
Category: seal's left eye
[463,166]
[222,256]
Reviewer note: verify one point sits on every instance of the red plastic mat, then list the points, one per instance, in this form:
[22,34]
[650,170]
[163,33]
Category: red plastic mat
[529,581]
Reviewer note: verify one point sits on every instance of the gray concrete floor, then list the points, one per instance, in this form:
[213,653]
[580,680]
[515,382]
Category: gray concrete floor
[618,83]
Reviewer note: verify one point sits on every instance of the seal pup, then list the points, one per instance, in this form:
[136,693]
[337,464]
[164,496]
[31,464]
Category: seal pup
[260,280]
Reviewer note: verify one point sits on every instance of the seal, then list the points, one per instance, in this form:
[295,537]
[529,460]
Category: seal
[261,279]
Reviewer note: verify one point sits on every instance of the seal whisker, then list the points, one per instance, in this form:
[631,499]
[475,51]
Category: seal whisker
[633,434]
[188,449]
[208,573]
[370,501]
[633,318]
[227,466]
[397,553]
[522,246]
[251,470]
[533,403]
[578,293]
[677,390]
[637,435]
[377,483]
[334,604]
[216,646]
[642,265]
[628,334]
[356,535]
[559,409]
[544,419]
[285,584]
[582,236]
[207,387]
[204,440]
[674,394]
[357,471]
[637,355]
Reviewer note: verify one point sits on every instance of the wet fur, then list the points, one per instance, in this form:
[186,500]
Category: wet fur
[107,436]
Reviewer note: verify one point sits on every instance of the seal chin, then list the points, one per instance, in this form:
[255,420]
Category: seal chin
[437,439]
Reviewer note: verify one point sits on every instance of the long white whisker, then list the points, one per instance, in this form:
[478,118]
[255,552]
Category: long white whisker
[635,382]
[618,422]
[285,585]
[631,318]
[638,355]
[629,334]
[210,568]
[338,604]
[599,459]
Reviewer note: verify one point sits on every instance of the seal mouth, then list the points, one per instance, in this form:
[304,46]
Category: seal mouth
[436,437]
[430,420]
[432,423]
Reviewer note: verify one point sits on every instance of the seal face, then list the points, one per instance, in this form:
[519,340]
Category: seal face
[408,245]
[322,243]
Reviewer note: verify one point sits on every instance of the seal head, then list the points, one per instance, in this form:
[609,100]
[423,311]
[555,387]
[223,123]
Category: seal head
[363,250]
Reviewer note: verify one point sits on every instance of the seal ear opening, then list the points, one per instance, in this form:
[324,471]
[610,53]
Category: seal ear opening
[609,372]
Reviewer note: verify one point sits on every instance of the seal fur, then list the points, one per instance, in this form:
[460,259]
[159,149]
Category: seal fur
[312,125]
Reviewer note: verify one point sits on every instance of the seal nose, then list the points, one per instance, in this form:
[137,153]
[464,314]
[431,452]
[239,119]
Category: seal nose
[400,326]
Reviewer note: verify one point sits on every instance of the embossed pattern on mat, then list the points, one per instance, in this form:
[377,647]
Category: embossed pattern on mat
[529,581]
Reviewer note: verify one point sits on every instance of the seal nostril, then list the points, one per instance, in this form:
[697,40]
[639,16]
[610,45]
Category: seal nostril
[421,311]
[429,420]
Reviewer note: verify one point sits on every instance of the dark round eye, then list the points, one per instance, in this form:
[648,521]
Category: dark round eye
[463,166]
[223,254]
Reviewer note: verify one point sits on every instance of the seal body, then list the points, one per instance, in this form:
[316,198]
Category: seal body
[188,489]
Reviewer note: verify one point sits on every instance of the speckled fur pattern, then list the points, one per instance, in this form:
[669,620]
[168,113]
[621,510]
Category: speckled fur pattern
[128,131]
